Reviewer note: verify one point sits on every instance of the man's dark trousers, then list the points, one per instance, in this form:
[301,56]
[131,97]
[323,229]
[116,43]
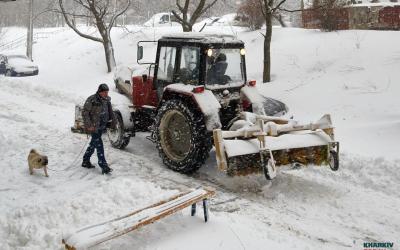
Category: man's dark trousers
[96,143]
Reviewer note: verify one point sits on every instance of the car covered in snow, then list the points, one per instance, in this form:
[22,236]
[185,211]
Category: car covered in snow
[17,65]
[162,19]
[232,19]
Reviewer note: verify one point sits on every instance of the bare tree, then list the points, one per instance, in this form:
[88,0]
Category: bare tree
[257,12]
[104,14]
[187,20]
[269,9]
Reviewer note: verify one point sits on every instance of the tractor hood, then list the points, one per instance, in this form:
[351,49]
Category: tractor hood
[273,107]
[263,105]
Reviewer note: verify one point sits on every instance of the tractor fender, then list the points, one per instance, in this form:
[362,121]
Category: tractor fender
[125,113]
[254,97]
[205,101]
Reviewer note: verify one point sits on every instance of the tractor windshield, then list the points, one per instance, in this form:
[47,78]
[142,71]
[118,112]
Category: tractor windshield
[224,68]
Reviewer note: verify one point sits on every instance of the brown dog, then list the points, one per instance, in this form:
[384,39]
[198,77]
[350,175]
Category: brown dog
[37,161]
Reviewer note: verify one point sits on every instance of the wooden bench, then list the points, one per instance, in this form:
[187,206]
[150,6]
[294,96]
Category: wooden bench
[93,235]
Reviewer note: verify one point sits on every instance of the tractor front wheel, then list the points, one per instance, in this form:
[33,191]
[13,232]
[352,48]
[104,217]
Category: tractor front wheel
[117,136]
[334,160]
[182,139]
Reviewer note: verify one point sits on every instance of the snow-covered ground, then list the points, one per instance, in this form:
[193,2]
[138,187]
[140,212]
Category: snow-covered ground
[353,75]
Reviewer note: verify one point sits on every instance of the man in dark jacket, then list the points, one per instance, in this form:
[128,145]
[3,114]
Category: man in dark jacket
[97,116]
[216,74]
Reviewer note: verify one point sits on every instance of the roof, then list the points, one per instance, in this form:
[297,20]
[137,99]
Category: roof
[203,37]
[364,3]
[380,4]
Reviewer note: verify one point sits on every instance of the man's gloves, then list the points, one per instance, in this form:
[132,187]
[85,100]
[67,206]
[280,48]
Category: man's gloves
[90,130]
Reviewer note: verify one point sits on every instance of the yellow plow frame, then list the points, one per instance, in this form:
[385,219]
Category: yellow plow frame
[267,142]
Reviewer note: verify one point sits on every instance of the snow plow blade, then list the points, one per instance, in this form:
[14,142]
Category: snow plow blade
[267,142]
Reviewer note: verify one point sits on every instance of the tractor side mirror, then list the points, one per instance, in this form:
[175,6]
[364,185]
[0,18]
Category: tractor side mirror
[140,53]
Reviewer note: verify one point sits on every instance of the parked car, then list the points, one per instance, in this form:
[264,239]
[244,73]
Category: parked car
[17,65]
[232,19]
[162,19]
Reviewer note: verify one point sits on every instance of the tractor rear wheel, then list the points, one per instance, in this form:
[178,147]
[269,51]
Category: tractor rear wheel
[182,138]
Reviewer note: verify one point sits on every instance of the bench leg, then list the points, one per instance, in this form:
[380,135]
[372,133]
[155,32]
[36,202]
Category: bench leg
[205,207]
[193,212]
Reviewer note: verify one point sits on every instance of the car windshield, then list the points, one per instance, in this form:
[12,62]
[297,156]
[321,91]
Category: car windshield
[224,68]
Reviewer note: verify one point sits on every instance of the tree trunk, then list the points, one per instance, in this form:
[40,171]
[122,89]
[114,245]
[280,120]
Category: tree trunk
[109,53]
[187,27]
[29,41]
[267,48]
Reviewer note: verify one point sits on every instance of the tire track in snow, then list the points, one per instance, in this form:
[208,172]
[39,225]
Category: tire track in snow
[311,185]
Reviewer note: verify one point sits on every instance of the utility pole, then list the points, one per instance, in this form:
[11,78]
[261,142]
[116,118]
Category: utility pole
[29,39]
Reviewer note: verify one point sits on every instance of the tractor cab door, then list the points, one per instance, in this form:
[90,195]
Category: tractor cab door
[189,66]
[165,68]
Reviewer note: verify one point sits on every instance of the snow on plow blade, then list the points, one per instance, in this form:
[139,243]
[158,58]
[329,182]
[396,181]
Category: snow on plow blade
[267,142]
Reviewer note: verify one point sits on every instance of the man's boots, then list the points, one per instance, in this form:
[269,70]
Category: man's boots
[87,164]
[106,170]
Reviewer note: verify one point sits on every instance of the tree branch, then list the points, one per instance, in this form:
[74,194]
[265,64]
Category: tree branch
[197,11]
[179,6]
[70,14]
[128,3]
[277,6]
[186,7]
[73,27]
[207,7]
[262,7]
[177,16]
[82,4]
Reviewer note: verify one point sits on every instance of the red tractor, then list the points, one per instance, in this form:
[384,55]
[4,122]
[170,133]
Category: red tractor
[196,86]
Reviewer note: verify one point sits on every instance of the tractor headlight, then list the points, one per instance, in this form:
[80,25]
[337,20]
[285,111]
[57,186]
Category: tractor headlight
[209,52]
[242,52]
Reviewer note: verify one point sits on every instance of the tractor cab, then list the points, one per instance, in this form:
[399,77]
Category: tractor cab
[216,62]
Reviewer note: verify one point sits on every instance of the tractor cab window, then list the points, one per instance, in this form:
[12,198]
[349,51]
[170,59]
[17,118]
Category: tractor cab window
[224,67]
[166,65]
[189,66]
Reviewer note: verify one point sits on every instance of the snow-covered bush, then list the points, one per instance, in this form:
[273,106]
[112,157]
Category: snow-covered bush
[329,13]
